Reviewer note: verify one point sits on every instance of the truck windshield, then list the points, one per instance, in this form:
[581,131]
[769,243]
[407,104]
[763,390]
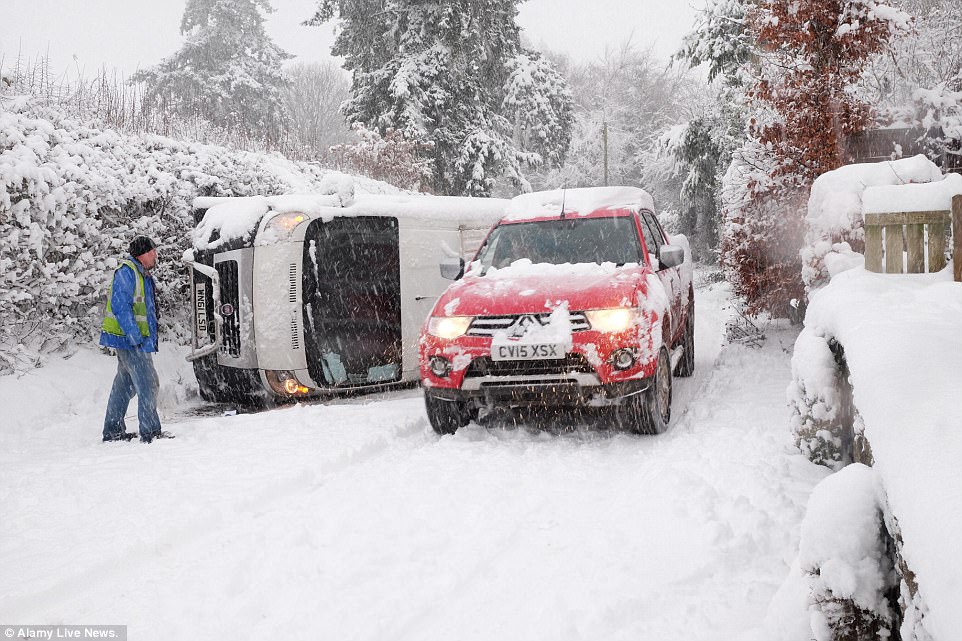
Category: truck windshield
[573,240]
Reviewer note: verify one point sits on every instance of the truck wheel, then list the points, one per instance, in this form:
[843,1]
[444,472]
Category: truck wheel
[657,399]
[446,416]
[686,366]
[650,411]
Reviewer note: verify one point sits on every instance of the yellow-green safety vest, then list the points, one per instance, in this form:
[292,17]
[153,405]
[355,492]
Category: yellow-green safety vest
[111,326]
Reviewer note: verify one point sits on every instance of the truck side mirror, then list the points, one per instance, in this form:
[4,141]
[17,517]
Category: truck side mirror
[671,256]
[452,268]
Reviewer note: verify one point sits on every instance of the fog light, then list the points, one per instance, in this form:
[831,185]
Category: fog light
[623,359]
[440,366]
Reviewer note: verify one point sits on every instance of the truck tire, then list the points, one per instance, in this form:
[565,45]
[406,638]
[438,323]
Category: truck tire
[446,416]
[656,401]
[686,366]
[649,413]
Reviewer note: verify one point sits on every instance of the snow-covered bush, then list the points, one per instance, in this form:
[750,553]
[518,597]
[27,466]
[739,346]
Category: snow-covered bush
[71,198]
[815,401]
[844,552]
[392,158]
[761,232]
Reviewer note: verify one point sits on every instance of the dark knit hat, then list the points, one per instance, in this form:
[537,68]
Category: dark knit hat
[141,245]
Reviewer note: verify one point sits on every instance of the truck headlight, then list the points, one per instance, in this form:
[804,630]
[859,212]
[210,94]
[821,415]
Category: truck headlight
[613,320]
[283,225]
[449,327]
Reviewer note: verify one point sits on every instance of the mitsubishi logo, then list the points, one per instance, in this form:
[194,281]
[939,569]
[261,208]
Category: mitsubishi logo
[520,326]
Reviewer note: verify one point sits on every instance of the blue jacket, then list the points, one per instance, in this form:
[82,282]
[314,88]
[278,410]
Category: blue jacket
[122,303]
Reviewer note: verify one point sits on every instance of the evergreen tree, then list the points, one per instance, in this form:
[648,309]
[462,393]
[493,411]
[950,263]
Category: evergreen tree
[721,40]
[227,72]
[454,75]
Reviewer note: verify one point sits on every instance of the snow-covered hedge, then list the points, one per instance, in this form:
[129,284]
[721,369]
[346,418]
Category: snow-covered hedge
[902,349]
[842,584]
[843,551]
[894,391]
[814,399]
[71,198]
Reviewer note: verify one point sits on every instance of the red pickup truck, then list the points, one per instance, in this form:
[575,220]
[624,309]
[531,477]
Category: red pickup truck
[577,297]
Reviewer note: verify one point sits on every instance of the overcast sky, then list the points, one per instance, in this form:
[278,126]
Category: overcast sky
[127,34]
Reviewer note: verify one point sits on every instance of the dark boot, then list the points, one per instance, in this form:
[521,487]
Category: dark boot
[123,436]
[160,434]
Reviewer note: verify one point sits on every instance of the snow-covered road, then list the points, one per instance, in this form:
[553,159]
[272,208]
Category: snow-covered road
[355,521]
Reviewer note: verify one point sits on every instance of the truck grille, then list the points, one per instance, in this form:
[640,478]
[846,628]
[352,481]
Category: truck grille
[572,363]
[488,325]
[229,307]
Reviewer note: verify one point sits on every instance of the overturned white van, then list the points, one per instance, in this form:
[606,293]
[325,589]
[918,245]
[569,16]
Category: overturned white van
[303,295]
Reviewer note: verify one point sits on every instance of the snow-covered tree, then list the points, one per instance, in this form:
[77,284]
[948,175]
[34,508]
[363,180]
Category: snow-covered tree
[456,75]
[699,151]
[720,39]
[917,82]
[314,100]
[626,99]
[228,71]
[802,113]
[814,53]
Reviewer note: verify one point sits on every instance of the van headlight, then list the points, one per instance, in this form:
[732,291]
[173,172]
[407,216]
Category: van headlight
[283,225]
[449,327]
[614,320]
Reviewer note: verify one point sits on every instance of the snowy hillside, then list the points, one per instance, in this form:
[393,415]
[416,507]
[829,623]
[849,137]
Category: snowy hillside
[71,198]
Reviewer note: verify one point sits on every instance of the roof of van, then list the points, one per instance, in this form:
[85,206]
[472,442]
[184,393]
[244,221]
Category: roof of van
[238,217]
[583,201]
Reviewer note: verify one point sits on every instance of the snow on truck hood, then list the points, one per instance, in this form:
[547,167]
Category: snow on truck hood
[582,201]
[526,288]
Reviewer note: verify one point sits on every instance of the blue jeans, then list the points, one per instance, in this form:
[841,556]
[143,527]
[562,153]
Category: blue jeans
[135,375]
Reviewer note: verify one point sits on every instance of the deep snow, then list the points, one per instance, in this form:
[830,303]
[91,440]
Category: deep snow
[353,520]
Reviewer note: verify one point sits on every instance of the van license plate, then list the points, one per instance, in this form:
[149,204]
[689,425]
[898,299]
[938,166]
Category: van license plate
[526,352]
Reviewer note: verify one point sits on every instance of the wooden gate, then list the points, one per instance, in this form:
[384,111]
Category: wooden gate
[913,242]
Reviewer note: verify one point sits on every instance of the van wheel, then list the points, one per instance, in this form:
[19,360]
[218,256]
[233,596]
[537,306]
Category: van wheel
[446,416]
[656,401]
[686,366]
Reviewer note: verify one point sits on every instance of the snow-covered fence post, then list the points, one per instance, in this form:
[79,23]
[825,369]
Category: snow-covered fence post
[957,237]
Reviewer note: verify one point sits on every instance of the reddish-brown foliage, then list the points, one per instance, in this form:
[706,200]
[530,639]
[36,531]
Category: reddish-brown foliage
[760,253]
[815,50]
[811,53]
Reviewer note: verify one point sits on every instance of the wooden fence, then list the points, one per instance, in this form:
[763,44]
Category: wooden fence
[913,242]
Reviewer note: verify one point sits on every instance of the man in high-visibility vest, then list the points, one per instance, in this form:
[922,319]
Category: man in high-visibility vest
[130,327]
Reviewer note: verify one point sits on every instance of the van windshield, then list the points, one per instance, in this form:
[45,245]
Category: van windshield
[572,240]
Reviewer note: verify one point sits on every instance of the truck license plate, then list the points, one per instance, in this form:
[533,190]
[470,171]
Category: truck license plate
[526,352]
